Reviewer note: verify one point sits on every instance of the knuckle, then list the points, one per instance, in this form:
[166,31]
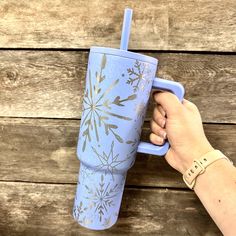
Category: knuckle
[192,106]
[176,110]
[156,115]
[169,95]
[152,125]
[155,139]
[161,110]
[155,128]
[152,137]
[156,96]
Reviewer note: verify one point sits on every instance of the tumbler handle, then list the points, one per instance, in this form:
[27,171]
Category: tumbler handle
[178,90]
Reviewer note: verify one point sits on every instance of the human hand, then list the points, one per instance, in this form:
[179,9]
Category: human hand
[181,123]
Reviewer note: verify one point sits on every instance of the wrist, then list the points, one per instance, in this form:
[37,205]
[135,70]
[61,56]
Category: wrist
[197,152]
[200,165]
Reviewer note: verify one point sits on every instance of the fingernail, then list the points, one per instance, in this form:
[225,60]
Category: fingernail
[163,134]
[159,140]
[163,123]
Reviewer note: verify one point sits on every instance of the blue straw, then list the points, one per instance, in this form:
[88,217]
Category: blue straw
[126,29]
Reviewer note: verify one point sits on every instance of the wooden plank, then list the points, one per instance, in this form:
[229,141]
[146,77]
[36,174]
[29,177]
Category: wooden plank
[202,25]
[51,83]
[41,150]
[45,209]
[42,83]
[209,81]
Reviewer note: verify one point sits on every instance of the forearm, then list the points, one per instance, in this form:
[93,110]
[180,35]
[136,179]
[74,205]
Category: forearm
[216,188]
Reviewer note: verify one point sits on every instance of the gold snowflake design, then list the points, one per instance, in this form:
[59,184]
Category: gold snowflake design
[134,144]
[78,212]
[140,110]
[109,161]
[97,108]
[139,76]
[85,173]
[101,197]
[107,222]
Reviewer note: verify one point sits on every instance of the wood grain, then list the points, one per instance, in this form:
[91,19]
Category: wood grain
[44,150]
[45,209]
[50,84]
[202,25]
[38,163]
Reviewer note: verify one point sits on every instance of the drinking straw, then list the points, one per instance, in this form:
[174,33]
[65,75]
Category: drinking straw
[126,29]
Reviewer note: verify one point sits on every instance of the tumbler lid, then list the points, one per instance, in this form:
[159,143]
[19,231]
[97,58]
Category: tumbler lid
[98,198]
[124,53]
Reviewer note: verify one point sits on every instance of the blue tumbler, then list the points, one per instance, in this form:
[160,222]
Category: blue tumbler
[118,87]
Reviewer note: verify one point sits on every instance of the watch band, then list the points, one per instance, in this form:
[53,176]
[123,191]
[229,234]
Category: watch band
[198,166]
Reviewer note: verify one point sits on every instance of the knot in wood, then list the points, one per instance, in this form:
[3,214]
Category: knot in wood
[10,77]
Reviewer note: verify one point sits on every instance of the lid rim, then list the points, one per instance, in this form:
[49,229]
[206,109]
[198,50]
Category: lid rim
[123,53]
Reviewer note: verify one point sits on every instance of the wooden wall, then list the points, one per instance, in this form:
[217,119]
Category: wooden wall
[43,57]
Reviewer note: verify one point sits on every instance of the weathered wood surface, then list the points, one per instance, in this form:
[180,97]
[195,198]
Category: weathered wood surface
[38,164]
[162,25]
[45,209]
[51,83]
[41,150]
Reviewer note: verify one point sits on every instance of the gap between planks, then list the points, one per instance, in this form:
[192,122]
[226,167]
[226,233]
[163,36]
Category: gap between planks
[134,187]
[135,50]
[147,120]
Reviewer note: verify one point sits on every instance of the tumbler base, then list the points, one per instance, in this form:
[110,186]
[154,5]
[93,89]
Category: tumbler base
[98,198]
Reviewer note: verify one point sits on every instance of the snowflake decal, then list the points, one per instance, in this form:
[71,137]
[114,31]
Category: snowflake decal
[101,197]
[85,173]
[107,222]
[139,76]
[140,110]
[78,211]
[97,108]
[109,161]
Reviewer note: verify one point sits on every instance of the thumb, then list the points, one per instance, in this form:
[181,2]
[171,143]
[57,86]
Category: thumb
[169,102]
